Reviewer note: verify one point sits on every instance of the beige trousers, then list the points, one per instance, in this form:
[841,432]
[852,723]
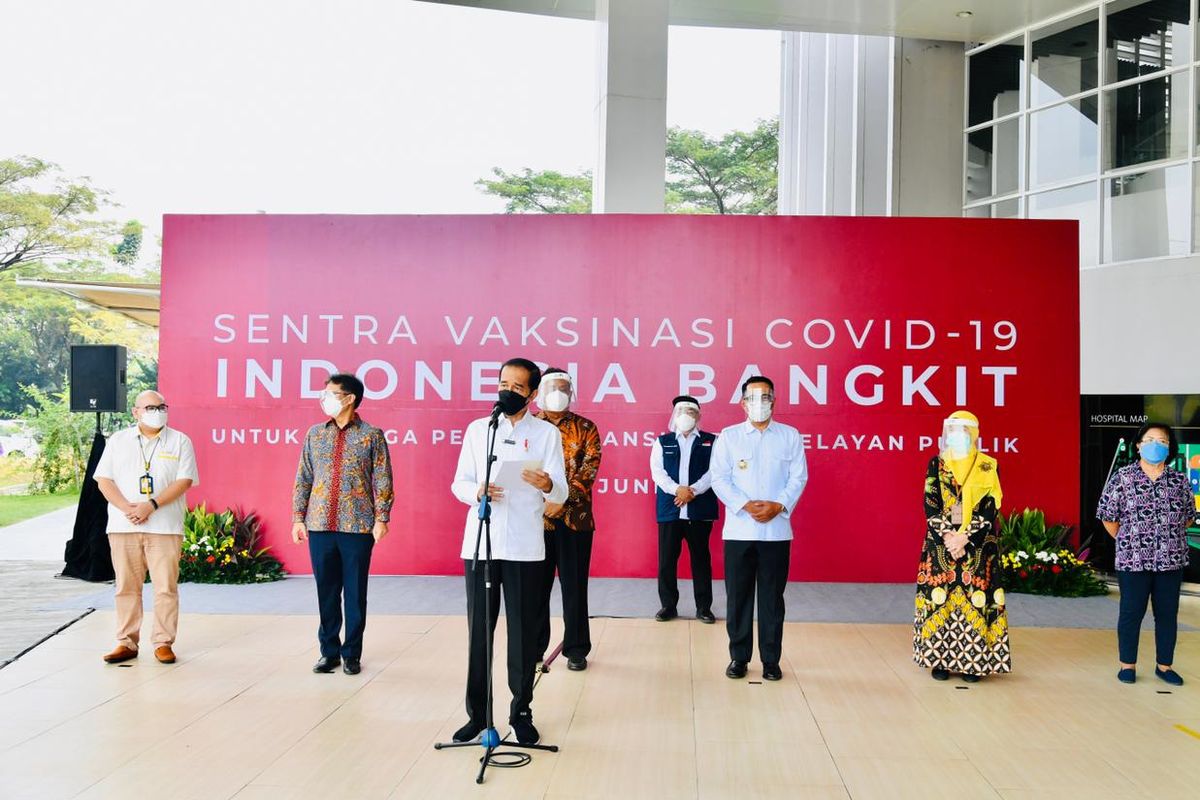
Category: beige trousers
[132,555]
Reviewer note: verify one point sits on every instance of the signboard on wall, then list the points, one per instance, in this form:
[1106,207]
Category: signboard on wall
[873,329]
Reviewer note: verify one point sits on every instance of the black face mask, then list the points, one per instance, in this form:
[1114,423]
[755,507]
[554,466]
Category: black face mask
[511,402]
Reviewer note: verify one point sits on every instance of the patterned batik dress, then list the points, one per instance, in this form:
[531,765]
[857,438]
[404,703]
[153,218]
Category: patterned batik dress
[960,623]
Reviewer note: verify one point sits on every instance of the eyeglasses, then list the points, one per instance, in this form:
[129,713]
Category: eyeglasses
[333,393]
[766,398]
[162,407]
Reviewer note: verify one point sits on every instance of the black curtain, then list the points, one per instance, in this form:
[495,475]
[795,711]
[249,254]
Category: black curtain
[87,554]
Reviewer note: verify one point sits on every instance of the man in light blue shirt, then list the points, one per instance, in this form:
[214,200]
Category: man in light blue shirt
[758,472]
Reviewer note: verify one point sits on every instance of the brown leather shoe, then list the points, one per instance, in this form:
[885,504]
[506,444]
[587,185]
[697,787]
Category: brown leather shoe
[122,653]
[165,654]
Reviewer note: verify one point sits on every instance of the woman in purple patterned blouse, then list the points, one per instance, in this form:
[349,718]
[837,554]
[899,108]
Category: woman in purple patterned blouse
[1147,508]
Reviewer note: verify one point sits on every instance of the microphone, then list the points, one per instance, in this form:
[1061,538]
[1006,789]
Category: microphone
[496,411]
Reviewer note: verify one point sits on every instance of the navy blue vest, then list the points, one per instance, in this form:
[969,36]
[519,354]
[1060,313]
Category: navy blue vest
[704,507]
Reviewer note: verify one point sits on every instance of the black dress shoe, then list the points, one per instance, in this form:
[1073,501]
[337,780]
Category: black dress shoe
[772,672]
[523,729]
[577,664]
[352,666]
[736,669]
[468,732]
[970,678]
[326,664]
[706,617]
[940,674]
[666,614]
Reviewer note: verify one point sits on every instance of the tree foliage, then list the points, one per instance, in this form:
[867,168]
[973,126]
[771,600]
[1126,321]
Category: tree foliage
[44,216]
[64,438]
[545,192]
[732,174]
[125,252]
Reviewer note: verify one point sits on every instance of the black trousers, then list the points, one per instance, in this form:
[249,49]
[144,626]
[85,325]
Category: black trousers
[671,536]
[1138,588]
[756,567]
[520,583]
[341,563]
[570,553]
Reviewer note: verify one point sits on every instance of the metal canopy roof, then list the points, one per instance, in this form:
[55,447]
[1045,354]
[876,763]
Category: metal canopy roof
[137,301]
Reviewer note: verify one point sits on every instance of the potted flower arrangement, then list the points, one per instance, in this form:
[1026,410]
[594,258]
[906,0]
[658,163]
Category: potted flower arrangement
[1036,559]
[225,548]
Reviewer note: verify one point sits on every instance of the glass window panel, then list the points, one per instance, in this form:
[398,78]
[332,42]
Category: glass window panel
[1077,203]
[993,160]
[1147,121]
[1196,210]
[1147,214]
[1005,209]
[1065,59]
[1196,75]
[1064,142]
[994,82]
[1146,36]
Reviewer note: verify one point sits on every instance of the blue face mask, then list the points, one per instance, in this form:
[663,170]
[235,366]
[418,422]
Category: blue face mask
[959,442]
[1153,452]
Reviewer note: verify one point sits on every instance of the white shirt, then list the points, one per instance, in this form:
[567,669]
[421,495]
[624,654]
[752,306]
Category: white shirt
[663,481]
[124,463]
[749,464]
[517,529]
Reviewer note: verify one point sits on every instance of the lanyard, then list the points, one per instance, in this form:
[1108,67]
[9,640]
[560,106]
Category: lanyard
[147,459]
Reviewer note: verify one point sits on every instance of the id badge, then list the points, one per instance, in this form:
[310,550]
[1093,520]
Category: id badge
[146,485]
[956,514]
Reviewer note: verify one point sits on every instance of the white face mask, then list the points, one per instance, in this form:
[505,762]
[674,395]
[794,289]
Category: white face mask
[154,419]
[555,401]
[330,404]
[759,411]
[684,423]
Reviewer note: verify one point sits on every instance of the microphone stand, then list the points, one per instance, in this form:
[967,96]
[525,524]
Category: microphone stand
[489,738]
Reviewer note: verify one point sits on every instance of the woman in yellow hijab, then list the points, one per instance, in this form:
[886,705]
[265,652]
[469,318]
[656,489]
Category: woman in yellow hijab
[960,624]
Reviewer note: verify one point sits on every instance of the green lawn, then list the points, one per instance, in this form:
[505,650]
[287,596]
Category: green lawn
[15,508]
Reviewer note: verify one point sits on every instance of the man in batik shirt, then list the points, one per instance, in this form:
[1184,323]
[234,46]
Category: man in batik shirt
[570,527]
[341,504]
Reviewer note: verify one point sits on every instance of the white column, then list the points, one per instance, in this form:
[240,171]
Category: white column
[929,119]
[631,106]
[836,124]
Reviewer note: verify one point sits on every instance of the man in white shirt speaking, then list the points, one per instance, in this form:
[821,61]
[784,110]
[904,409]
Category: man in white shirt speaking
[758,472]
[144,473]
[532,448]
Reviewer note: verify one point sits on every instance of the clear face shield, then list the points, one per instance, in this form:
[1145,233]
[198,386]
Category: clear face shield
[556,392]
[958,437]
[684,418]
[759,402]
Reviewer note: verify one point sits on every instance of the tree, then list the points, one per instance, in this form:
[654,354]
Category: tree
[35,327]
[545,192]
[734,174]
[125,252]
[50,224]
[63,438]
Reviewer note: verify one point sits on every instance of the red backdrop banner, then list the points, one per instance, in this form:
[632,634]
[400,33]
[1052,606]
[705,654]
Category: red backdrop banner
[873,330]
